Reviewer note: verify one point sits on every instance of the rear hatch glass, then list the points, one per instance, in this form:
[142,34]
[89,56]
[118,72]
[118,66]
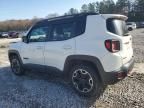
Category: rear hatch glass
[117,26]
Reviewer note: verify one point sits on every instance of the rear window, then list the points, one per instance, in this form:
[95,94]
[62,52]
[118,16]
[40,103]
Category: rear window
[117,26]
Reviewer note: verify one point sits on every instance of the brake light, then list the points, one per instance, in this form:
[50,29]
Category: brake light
[112,45]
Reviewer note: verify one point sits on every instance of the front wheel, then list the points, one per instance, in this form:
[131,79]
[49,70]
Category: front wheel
[16,66]
[85,81]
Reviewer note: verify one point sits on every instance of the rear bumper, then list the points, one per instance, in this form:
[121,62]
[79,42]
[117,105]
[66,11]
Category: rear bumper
[117,75]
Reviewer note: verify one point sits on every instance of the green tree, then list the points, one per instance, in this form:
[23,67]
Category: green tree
[137,14]
[107,7]
[139,5]
[52,15]
[72,11]
[122,6]
[97,7]
[91,7]
[84,8]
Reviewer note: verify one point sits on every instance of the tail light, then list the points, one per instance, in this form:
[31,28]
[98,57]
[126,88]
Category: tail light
[112,45]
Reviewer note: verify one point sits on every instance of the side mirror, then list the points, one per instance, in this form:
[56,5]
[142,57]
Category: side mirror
[24,39]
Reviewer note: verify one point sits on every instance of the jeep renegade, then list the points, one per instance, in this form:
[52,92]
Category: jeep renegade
[91,49]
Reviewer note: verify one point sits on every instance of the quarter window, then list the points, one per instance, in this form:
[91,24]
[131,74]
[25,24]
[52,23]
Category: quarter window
[117,26]
[80,26]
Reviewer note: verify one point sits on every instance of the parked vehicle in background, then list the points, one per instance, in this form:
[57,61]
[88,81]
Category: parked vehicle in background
[4,35]
[0,35]
[91,56]
[13,34]
[140,24]
[131,26]
[21,34]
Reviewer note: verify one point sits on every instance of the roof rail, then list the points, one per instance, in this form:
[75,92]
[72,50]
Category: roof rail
[74,15]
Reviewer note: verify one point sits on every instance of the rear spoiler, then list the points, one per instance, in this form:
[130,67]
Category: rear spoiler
[116,16]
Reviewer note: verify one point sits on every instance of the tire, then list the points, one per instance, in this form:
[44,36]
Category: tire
[16,66]
[130,29]
[85,81]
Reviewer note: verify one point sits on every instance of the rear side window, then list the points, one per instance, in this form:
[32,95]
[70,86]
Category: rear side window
[62,32]
[65,31]
[117,26]
[68,28]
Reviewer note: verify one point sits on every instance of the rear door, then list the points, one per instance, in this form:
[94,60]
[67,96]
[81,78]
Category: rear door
[60,45]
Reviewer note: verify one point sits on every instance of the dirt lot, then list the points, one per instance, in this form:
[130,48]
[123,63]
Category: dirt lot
[44,90]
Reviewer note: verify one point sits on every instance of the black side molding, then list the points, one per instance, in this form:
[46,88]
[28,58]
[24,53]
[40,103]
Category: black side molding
[25,58]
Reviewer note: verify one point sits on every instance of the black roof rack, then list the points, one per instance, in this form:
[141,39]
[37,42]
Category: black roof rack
[66,16]
[70,16]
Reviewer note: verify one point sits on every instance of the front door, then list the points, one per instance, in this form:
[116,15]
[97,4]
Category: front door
[33,51]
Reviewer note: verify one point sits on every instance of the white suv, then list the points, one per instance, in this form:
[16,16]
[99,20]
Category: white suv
[91,49]
[131,26]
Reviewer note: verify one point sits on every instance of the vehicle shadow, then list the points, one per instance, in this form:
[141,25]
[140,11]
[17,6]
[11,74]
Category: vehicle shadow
[44,89]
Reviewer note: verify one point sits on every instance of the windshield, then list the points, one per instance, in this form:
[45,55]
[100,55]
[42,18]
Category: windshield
[117,26]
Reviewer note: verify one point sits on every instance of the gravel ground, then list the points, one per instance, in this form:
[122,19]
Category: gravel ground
[45,90]
[138,45]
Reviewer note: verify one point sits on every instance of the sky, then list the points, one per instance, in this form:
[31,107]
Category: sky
[27,9]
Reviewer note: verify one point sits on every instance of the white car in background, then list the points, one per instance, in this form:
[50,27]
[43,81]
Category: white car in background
[131,26]
[4,35]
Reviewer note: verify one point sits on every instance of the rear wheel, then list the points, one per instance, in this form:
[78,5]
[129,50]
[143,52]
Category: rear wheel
[16,65]
[85,81]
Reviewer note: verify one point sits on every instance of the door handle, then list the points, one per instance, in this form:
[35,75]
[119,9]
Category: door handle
[39,47]
[25,58]
[67,47]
